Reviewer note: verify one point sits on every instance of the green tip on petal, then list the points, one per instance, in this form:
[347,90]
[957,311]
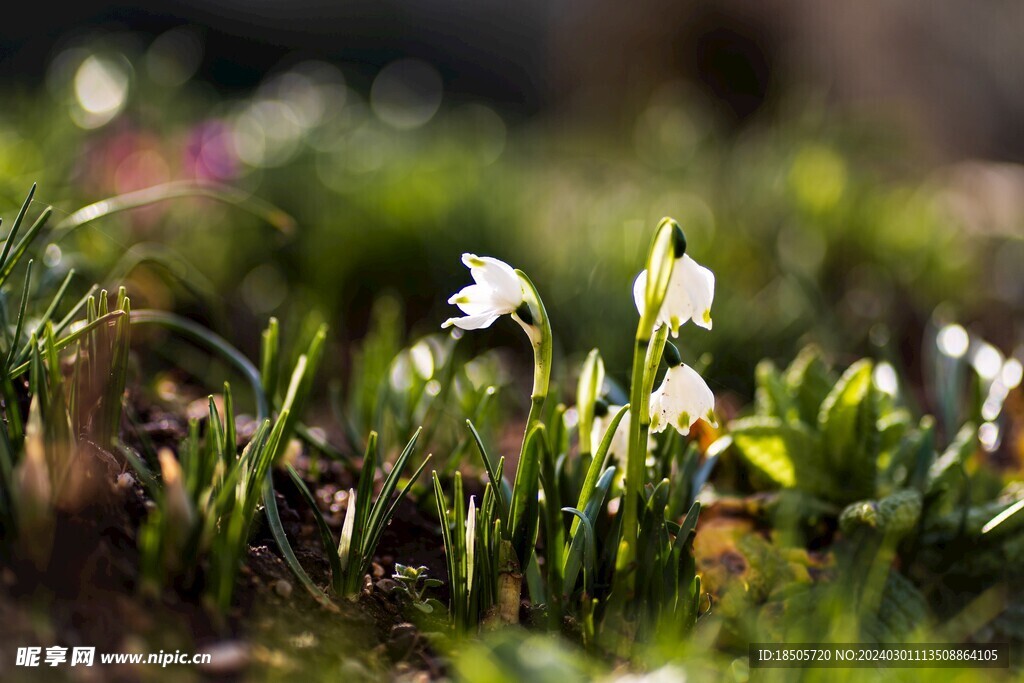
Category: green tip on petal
[707,316]
[475,262]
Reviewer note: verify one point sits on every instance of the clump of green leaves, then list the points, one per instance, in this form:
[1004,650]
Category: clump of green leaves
[814,432]
[215,503]
[76,371]
[367,517]
[207,498]
[913,519]
[412,584]
[471,550]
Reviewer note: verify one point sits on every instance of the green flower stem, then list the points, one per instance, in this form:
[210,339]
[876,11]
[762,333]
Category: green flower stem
[538,329]
[660,261]
[641,384]
[539,332]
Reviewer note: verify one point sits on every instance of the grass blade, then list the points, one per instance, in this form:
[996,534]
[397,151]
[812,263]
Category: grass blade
[178,190]
[19,249]
[326,537]
[9,242]
[574,556]
[598,464]
[502,492]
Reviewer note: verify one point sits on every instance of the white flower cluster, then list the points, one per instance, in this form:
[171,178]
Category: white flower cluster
[683,397]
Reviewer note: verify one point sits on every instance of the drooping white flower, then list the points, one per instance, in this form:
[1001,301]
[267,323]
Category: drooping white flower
[497,291]
[682,399]
[620,441]
[691,290]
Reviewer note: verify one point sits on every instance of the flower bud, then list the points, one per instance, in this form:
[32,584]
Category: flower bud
[678,240]
[588,390]
[179,508]
[671,355]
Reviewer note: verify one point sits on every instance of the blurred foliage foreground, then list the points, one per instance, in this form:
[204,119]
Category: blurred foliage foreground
[833,508]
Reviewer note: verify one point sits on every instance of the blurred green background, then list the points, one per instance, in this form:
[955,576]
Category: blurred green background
[852,181]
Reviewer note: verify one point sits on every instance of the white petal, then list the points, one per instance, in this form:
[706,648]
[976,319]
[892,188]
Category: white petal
[682,399]
[600,427]
[677,308]
[498,276]
[700,285]
[658,421]
[691,289]
[472,322]
[478,299]
[620,442]
[640,291]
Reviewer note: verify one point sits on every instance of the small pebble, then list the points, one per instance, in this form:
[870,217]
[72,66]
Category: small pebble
[283,588]
[9,577]
[403,629]
[402,640]
[352,669]
[227,657]
[386,585]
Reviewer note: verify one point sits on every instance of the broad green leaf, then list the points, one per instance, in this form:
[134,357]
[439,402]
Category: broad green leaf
[849,431]
[773,397]
[839,417]
[787,454]
[809,380]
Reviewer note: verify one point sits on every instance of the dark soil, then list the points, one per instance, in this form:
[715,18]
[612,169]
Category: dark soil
[77,584]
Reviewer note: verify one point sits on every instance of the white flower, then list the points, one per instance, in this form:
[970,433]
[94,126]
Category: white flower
[620,441]
[682,399]
[691,290]
[498,291]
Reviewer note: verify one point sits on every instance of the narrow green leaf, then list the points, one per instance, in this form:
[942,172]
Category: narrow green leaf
[502,492]
[9,241]
[26,240]
[599,463]
[574,555]
[589,555]
[524,510]
[326,537]
[176,190]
